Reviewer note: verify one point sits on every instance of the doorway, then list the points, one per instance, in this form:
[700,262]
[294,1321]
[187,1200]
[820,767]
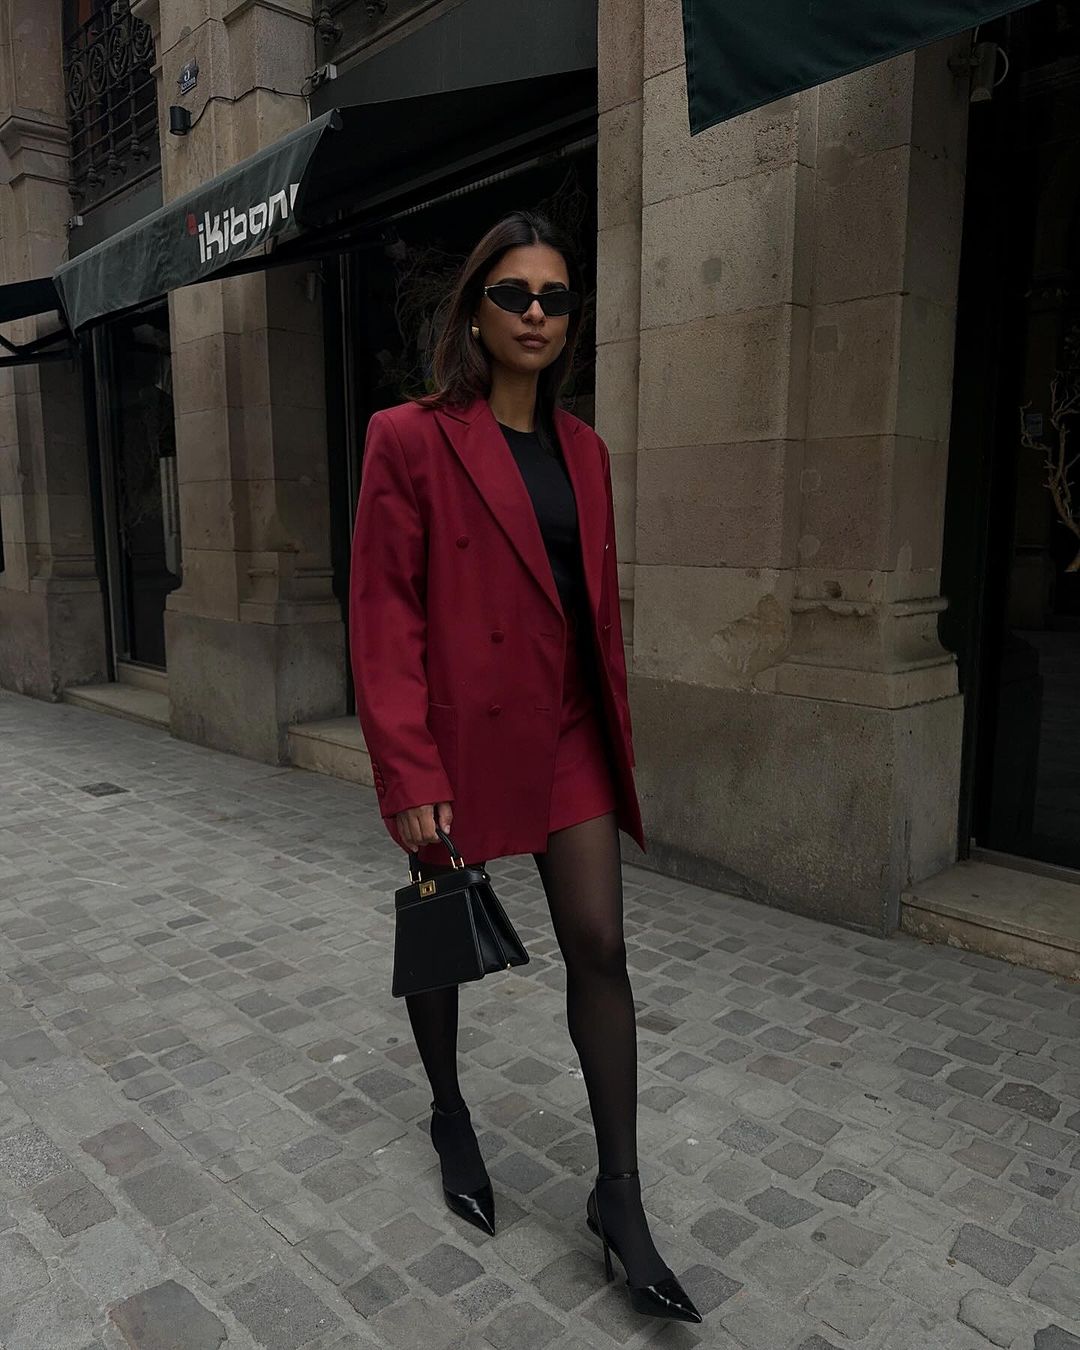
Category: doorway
[1011,567]
[140,510]
[385,308]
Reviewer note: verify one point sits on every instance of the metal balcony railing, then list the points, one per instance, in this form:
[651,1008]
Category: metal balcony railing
[112,103]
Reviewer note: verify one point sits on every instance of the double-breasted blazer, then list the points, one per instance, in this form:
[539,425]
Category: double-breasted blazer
[457,633]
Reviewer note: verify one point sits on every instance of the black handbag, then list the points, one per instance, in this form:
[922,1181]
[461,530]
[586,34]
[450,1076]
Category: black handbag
[450,929]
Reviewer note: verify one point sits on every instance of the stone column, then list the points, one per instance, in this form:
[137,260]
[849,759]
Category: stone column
[255,636]
[797,724]
[52,623]
[620,47]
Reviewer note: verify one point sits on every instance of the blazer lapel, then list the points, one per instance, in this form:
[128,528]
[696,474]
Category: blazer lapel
[476,439]
[480,445]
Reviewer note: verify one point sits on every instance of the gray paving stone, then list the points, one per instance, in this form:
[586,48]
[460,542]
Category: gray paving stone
[793,1160]
[780,1208]
[1047,1182]
[520,1172]
[721,1231]
[281,1312]
[1058,1288]
[811,1125]
[843,1187]
[1001,1320]
[992,1256]
[782,1266]
[336,1255]
[166,1317]
[70,1203]
[56,1317]
[850,1307]
[851,1243]
[220,1246]
[29,1156]
[522,1326]
[1046,1227]
[748,1136]
[22,1267]
[121,1148]
[166,1193]
[568,1280]
[305,1153]
[1056,1338]
[982,1156]
[32,1047]
[1028,1100]
[381,1286]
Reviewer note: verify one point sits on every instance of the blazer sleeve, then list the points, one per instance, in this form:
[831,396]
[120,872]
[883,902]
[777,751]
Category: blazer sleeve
[611,565]
[388,628]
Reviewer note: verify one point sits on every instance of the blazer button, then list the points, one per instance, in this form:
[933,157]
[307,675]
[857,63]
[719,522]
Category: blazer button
[495,709]
[463,541]
[497,636]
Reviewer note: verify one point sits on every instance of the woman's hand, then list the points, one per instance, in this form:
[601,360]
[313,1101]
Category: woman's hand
[416,825]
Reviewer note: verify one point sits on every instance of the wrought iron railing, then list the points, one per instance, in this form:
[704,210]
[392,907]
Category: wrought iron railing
[112,102]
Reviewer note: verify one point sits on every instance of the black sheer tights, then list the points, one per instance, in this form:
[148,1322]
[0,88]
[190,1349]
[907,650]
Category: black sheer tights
[582,879]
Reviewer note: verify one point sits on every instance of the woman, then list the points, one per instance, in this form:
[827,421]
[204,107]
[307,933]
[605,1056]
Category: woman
[491,687]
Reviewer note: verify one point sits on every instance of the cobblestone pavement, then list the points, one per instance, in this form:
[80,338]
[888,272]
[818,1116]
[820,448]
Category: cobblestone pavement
[213,1121]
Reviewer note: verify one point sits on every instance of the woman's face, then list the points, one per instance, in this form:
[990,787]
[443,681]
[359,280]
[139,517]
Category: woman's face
[524,343]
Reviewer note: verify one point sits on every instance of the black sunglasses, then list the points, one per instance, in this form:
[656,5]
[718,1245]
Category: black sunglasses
[517,299]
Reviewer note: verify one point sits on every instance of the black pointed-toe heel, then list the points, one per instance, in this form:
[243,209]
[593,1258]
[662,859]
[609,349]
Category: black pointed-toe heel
[665,1298]
[477,1206]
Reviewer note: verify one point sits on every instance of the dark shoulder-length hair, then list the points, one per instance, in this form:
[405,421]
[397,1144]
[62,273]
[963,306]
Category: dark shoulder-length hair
[460,364]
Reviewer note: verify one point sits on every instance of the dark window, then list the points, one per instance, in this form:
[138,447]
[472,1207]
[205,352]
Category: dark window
[111,98]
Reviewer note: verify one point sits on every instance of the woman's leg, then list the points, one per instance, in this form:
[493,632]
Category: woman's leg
[582,876]
[434,1020]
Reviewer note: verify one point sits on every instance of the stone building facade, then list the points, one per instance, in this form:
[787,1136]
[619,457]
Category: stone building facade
[775,323]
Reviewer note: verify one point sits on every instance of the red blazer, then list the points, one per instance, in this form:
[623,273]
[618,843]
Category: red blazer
[456,631]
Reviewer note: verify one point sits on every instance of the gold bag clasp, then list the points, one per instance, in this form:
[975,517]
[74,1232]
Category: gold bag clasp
[427,888]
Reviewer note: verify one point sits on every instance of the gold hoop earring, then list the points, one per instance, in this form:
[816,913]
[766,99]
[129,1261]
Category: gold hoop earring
[475,332]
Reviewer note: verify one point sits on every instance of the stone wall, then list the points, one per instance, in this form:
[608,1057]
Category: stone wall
[775,381]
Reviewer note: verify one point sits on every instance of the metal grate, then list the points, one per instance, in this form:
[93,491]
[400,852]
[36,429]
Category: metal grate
[112,102]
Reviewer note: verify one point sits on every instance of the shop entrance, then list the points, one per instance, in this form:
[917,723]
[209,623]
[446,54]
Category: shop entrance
[1012,556]
[386,304]
[139,502]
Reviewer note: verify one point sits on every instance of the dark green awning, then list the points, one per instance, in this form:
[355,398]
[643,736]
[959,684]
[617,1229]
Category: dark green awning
[318,186]
[739,56]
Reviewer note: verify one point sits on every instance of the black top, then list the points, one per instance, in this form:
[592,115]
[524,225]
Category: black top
[552,494]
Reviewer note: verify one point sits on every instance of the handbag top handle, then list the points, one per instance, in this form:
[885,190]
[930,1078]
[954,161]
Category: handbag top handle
[455,856]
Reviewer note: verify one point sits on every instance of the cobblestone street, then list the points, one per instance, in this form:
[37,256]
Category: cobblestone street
[213,1121]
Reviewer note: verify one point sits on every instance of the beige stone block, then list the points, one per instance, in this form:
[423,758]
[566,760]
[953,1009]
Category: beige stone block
[262,118]
[297,374]
[210,582]
[818,807]
[33,60]
[869,110]
[206,443]
[726,248]
[935,229]
[198,312]
[665,47]
[711,626]
[624,489]
[279,516]
[270,48]
[924,403]
[676,163]
[295,439]
[209,516]
[725,506]
[619,166]
[732,378]
[617,394]
[619,36]
[862,223]
[618,280]
[854,367]
[287,303]
[941,105]
[201,373]
[182,18]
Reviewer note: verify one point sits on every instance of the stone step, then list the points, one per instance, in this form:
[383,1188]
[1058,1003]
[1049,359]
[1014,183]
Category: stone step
[1019,916]
[148,706]
[334,746]
[137,675]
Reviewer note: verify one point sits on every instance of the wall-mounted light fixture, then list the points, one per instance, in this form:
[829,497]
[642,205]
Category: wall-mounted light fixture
[980,65]
[179,120]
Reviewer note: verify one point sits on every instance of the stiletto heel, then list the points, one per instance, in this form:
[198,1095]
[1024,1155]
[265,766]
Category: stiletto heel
[476,1206]
[664,1298]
